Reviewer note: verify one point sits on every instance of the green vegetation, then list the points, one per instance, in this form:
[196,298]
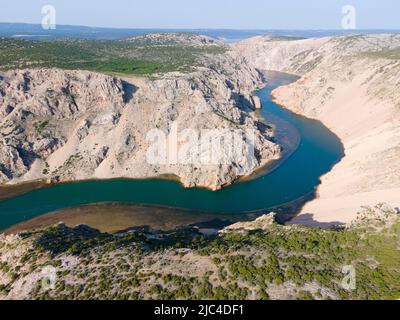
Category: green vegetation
[122,57]
[294,262]
[46,169]
[41,126]
[393,54]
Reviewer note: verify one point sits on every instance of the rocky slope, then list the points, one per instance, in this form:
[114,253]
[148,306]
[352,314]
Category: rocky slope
[252,260]
[173,38]
[71,125]
[352,85]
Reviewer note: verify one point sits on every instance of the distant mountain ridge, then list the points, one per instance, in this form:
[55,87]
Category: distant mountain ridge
[35,31]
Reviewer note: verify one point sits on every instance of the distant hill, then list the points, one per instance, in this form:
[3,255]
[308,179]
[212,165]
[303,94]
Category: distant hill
[35,31]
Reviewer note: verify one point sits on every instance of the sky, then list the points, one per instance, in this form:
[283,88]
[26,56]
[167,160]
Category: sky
[207,14]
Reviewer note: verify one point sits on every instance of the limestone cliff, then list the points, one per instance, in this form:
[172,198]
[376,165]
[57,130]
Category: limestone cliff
[352,85]
[71,125]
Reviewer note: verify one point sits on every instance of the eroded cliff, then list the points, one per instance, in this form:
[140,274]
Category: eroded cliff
[64,125]
[352,85]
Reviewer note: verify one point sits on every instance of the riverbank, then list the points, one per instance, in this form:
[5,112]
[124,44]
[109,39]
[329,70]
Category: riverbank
[118,217]
[351,85]
[369,128]
[295,177]
[10,191]
[258,259]
[287,137]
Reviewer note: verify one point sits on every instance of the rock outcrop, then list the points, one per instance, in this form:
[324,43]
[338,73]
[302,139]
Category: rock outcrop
[352,85]
[72,125]
[173,38]
[261,223]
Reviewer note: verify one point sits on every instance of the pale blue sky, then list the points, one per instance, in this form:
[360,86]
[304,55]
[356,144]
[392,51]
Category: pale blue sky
[237,14]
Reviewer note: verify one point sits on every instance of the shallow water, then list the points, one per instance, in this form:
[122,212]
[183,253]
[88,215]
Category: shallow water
[299,175]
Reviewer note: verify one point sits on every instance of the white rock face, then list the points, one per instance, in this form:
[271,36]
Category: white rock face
[357,95]
[302,56]
[265,222]
[73,125]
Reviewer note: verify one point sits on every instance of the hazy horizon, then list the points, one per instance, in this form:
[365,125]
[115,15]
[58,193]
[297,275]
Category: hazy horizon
[203,28]
[208,14]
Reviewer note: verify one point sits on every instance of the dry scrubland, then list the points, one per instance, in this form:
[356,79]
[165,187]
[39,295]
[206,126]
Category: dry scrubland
[57,125]
[253,260]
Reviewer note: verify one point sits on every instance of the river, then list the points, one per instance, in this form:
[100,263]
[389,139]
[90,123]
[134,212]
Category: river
[318,150]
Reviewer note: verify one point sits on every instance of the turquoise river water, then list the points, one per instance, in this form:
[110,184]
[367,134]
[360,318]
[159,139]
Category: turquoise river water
[297,176]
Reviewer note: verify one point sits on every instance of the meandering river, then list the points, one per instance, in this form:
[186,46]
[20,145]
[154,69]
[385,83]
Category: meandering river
[298,175]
